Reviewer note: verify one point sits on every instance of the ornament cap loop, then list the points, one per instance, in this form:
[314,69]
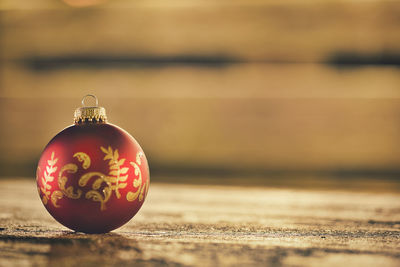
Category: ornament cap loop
[90,114]
[86,96]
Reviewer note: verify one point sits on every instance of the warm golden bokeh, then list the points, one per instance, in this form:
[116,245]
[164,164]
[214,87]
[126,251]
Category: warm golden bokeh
[210,87]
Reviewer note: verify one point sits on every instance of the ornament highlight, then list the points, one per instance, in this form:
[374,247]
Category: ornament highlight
[92,177]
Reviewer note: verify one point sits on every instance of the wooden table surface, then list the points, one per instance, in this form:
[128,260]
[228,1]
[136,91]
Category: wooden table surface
[195,225]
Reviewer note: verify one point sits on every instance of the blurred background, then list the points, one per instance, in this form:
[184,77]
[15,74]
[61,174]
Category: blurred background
[263,92]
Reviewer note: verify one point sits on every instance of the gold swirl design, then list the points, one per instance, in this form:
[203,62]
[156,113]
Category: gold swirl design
[115,179]
[55,197]
[138,183]
[62,181]
[103,185]
[84,158]
[94,194]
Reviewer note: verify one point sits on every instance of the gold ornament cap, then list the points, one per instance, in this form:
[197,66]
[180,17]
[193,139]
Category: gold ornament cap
[90,114]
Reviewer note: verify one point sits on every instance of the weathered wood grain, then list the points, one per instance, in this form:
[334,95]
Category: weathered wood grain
[186,225]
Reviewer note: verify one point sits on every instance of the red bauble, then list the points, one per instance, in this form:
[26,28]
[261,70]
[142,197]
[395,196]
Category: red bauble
[93,177]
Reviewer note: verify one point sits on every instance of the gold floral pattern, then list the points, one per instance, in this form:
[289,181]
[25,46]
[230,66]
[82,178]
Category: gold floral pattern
[115,179]
[48,177]
[62,181]
[102,186]
[84,158]
[130,196]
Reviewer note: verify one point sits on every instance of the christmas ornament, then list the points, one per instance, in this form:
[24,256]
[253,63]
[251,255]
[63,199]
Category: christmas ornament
[93,176]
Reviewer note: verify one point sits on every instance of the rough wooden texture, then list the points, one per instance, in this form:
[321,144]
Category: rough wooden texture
[211,226]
